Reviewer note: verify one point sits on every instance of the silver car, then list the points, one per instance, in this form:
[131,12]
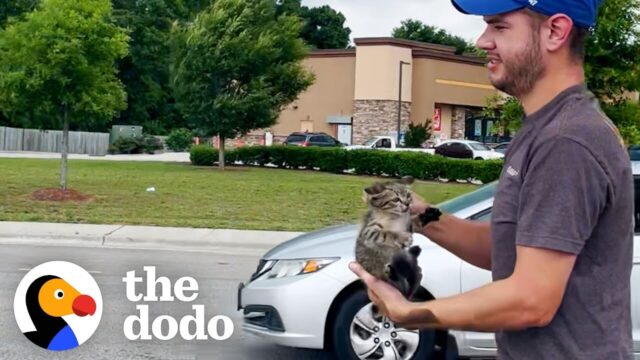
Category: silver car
[303,294]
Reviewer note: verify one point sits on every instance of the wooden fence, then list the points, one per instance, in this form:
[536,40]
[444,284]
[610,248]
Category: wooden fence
[13,139]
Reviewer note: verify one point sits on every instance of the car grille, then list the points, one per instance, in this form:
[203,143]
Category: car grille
[264,316]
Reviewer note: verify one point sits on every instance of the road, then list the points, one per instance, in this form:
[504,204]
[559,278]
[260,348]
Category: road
[217,277]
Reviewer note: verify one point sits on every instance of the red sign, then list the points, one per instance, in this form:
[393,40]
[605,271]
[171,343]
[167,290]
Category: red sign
[437,119]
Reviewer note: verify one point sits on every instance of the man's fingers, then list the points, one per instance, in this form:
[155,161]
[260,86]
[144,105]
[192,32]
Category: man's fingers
[362,273]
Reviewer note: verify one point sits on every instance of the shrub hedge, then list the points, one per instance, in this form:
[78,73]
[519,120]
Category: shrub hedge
[362,162]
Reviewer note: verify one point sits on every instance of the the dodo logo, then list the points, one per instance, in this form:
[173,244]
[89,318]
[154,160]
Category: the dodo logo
[58,305]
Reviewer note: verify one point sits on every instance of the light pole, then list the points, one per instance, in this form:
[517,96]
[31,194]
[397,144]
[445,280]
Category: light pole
[400,100]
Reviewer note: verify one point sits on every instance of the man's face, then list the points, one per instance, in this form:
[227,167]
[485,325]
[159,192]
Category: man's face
[512,43]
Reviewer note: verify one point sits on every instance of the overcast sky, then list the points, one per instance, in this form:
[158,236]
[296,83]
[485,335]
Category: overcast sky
[372,18]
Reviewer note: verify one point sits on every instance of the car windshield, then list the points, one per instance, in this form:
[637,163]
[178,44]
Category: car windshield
[296,138]
[370,141]
[464,201]
[479,146]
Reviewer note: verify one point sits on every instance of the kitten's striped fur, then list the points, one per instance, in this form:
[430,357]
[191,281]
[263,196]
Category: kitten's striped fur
[383,246]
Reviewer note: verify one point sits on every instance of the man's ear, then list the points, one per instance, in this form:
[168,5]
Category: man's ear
[558,31]
[376,188]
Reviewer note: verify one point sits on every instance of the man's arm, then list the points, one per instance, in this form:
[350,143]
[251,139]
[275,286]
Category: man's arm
[468,240]
[528,298]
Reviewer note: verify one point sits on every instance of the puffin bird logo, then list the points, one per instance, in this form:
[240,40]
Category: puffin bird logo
[59,312]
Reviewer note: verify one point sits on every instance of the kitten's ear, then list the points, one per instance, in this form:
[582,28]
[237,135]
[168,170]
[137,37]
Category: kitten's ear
[407,180]
[376,188]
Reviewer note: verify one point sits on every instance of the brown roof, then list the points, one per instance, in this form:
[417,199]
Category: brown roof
[420,50]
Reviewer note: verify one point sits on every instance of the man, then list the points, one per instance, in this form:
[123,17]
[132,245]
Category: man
[560,240]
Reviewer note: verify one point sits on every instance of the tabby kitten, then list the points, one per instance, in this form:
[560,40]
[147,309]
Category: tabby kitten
[383,246]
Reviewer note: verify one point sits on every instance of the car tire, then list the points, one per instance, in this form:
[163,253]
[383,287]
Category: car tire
[342,330]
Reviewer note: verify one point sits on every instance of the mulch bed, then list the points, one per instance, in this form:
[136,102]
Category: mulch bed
[56,194]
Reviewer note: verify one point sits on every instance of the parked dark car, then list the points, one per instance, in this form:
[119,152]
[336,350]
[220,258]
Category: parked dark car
[312,139]
[634,152]
[501,147]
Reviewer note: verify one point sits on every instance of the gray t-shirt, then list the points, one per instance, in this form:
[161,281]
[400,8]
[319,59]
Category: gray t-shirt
[567,185]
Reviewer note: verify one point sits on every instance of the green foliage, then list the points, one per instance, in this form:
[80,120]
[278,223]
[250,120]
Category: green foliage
[203,155]
[612,63]
[417,135]
[136,145]
[626,116]
[62,57]
[507,111]
[179,140]
[416,30]
[15,8]
[362,162]
[323,27]
[236,66]
[57,68]
[145,70]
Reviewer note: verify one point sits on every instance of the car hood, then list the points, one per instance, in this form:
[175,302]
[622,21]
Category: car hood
[490,154]
[356,147]
[337,241]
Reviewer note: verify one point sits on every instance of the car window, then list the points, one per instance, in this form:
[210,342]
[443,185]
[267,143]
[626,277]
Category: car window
[296,138]
[479,146]
[318,139]
[484,216]
[634,152]
[329,140]
[456,204]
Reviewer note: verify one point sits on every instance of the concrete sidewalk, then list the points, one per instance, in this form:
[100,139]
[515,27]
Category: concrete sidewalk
[165,157]
[232,242]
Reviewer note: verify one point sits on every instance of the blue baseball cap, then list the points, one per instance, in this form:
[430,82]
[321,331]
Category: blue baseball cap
[582,12]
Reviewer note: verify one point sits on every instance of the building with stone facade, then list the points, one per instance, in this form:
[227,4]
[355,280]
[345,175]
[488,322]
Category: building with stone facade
[357,91]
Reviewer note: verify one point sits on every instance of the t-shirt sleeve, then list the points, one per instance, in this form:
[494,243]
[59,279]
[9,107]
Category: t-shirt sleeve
[563,193]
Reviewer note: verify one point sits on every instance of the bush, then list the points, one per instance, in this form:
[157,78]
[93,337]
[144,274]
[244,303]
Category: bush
[150,144]
[363,162]
[125,146]
[417,135]
[180,140]
[204,155]
[136,145]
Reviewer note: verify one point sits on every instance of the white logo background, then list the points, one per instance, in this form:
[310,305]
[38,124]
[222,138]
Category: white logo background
[80,279]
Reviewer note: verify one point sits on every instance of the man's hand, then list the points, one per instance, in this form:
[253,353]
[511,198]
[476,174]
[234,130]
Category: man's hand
[418,205]
[388,299]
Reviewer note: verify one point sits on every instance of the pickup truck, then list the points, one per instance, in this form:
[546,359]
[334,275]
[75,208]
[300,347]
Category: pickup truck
[385,143]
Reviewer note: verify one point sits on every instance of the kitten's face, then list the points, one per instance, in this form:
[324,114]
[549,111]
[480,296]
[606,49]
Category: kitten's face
[393,197]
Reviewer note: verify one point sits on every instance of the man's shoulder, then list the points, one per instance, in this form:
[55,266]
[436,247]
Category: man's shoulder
[582,120]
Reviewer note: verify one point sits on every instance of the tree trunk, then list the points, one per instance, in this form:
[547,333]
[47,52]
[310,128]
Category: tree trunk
[65,151]
[221,153]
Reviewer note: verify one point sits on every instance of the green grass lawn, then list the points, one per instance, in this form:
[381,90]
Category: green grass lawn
[238,198]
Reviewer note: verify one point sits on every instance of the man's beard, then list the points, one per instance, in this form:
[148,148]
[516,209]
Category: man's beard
[523,71]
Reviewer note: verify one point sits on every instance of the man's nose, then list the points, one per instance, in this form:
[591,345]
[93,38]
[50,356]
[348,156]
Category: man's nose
[484,42]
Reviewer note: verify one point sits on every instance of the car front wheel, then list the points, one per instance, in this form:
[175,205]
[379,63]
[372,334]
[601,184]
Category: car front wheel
[357,335]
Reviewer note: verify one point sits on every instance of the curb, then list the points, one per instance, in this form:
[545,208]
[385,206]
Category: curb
[143,237]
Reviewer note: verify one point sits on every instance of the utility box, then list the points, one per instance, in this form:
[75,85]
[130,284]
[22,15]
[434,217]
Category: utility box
[124,131]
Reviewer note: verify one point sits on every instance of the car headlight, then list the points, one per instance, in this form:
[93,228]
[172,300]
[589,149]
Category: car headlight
[286,268]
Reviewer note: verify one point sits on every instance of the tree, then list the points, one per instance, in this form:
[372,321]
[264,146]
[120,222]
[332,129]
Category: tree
[612,69]
[612,63]
[59,63]
[507,111]
[236,66]
[145,70]
[13,8]
[323,26]
[415,30]
[417,135]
